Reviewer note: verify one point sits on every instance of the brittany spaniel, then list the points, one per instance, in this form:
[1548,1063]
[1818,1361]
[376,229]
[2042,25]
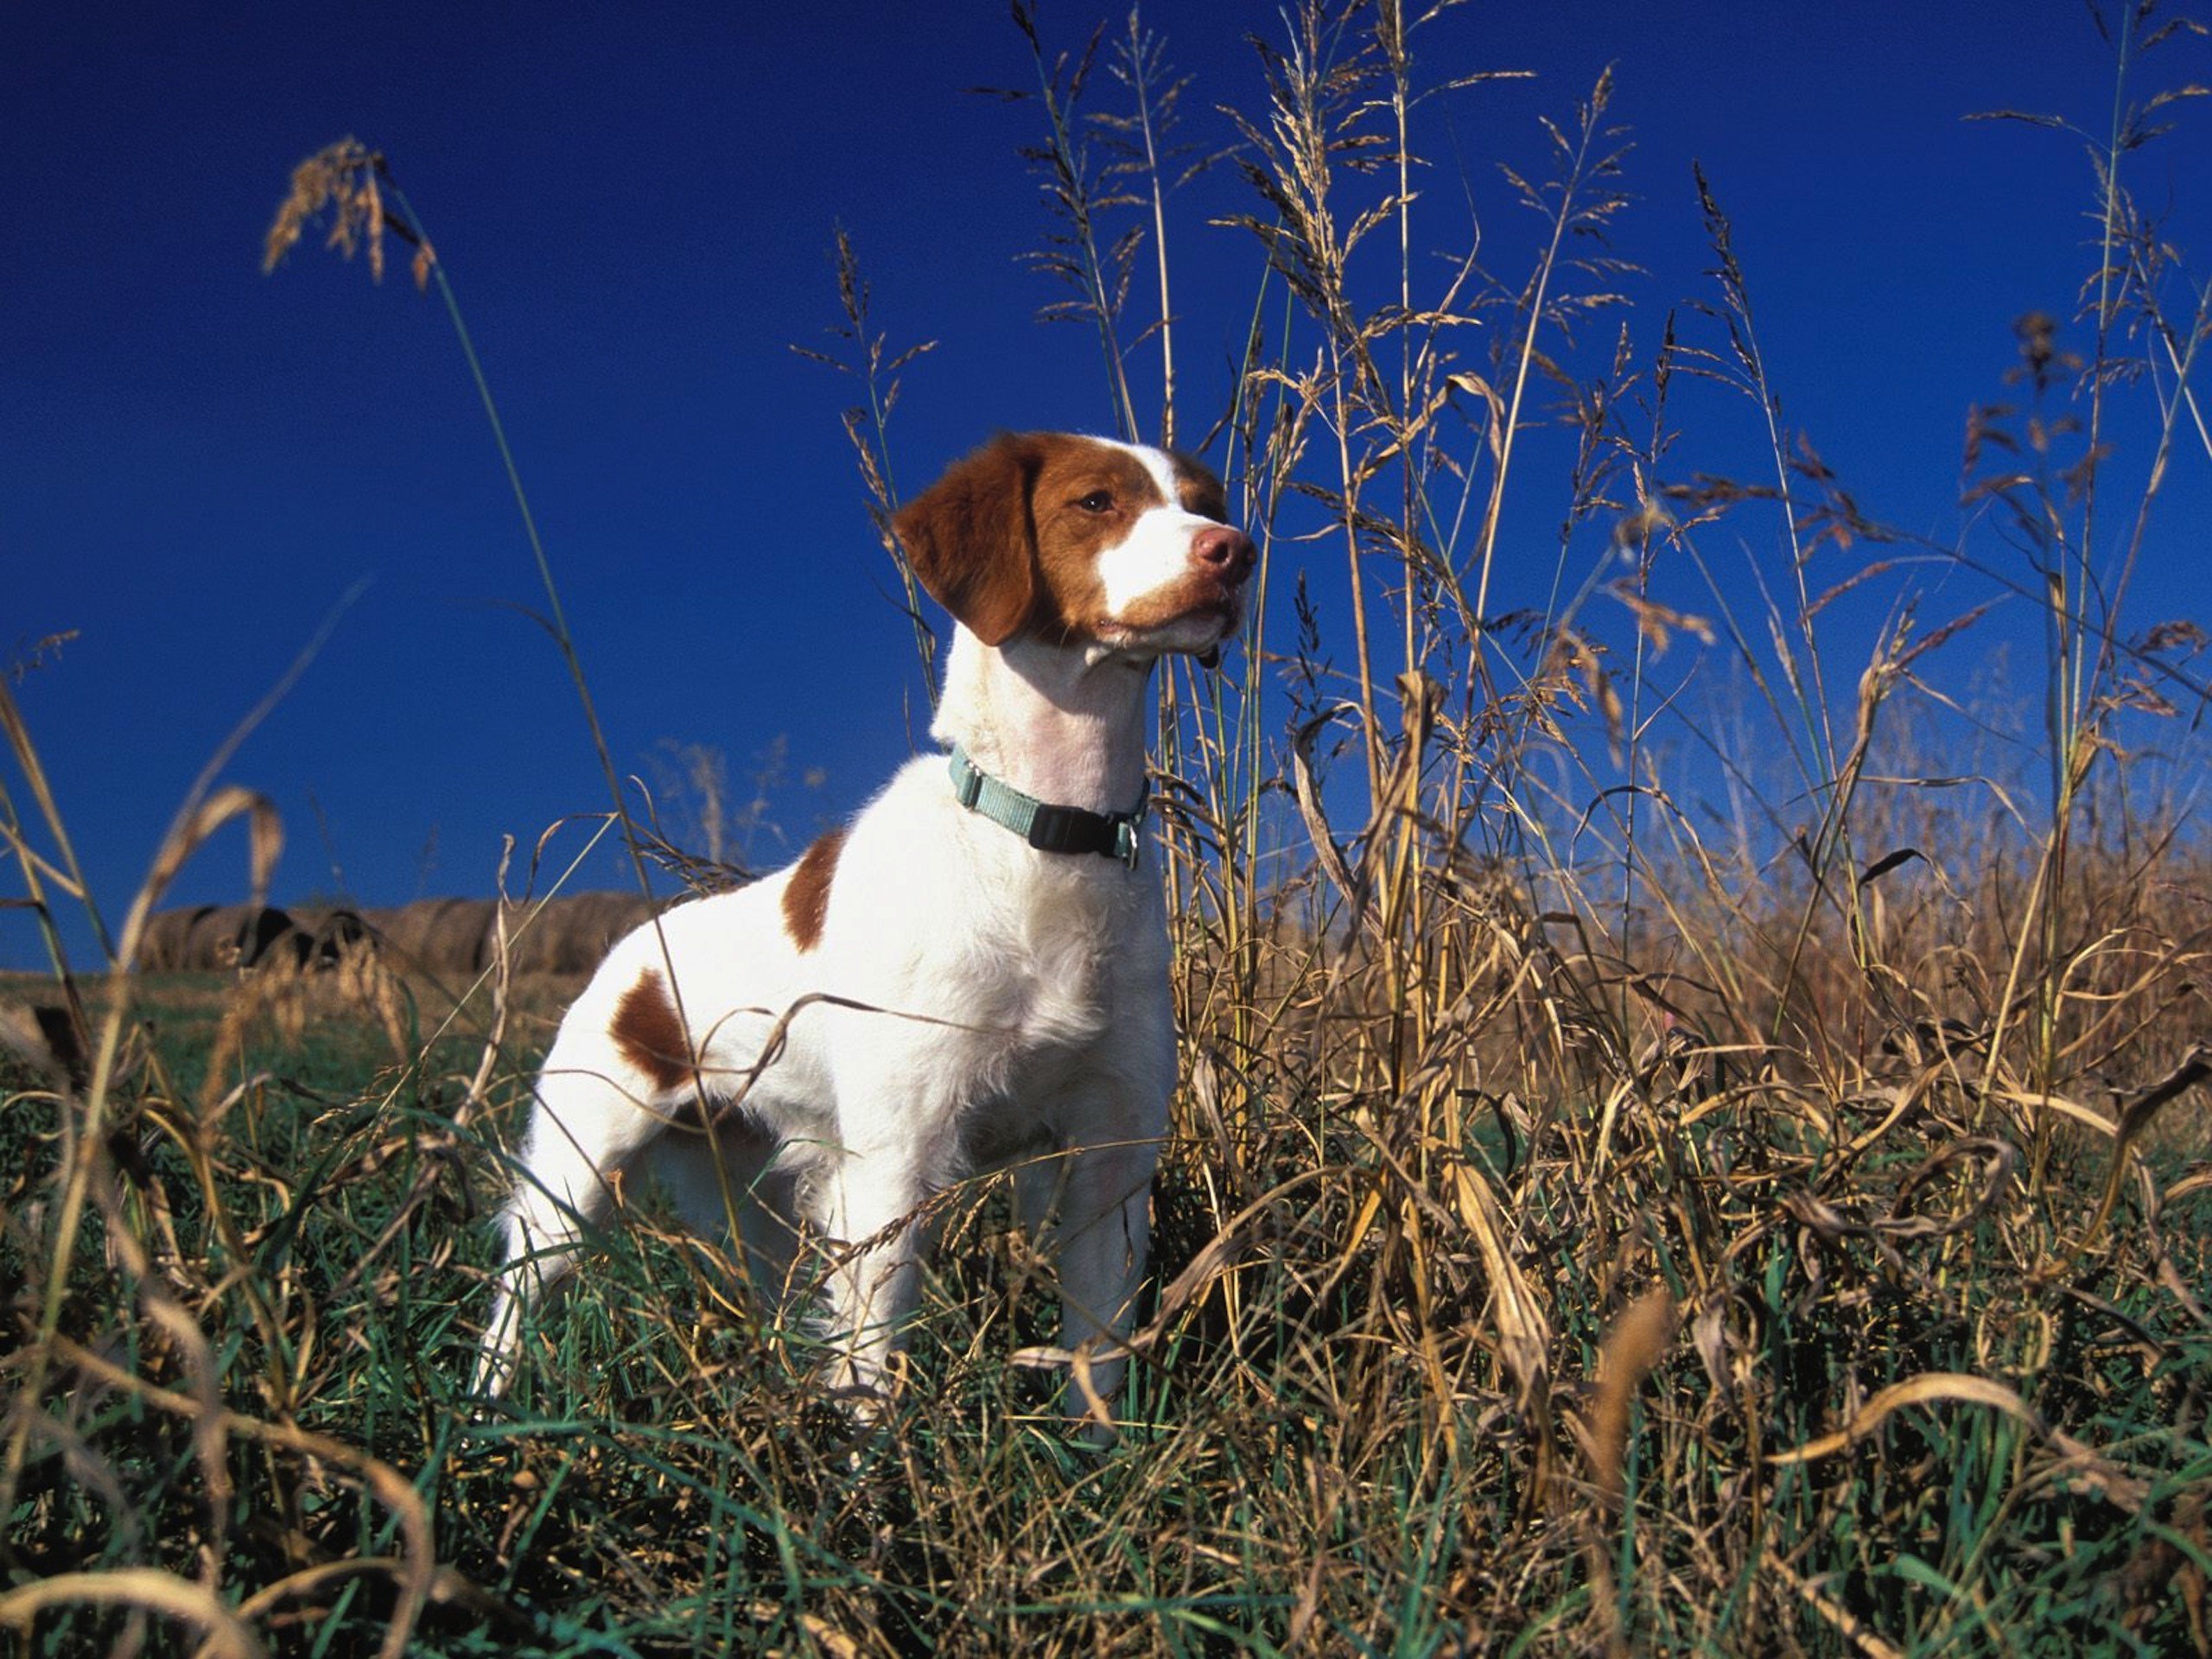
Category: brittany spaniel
[971,975]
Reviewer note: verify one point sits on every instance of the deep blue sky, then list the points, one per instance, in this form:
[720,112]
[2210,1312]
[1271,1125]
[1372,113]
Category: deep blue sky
[636,206]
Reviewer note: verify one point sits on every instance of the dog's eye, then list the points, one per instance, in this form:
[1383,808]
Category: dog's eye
[1097,501]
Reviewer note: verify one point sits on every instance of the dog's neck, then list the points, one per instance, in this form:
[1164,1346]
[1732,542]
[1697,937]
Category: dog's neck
[1066,724]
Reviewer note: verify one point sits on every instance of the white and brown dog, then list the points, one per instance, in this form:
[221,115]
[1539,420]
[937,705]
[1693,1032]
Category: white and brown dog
[971,975]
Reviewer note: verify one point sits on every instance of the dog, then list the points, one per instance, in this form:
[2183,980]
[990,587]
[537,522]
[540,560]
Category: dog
[972,975]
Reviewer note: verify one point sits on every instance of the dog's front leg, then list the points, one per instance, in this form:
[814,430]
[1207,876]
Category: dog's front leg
[870,1209]
[587,1125]
[1100,1238]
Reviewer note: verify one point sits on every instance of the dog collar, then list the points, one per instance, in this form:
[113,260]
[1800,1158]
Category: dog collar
[1050,828]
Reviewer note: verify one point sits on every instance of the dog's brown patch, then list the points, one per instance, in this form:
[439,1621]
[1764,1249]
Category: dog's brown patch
[1197,489]
[968,539]
[649,1033]
[1087,497]
[806,898]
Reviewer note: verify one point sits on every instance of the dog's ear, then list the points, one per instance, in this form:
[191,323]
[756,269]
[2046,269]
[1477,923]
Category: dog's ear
[971,540]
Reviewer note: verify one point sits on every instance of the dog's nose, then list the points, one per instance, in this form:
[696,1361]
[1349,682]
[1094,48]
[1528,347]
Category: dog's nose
[1228,553]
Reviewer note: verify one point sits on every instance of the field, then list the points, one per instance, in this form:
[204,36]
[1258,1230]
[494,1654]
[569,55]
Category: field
[1591,1224]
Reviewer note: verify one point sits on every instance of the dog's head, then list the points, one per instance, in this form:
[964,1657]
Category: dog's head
[1080,540]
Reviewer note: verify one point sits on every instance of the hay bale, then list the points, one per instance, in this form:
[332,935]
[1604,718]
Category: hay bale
[161,947]
[402,929]
[455,943]
[234,936]
[214,929]
[380,924]
[572,933]
[441,937]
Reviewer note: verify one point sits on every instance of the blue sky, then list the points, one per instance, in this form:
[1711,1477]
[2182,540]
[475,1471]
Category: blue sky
[636,205]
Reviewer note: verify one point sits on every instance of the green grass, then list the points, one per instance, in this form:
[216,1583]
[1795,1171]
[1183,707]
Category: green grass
[1325,1452]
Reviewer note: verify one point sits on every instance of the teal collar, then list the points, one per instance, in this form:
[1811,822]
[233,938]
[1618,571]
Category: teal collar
[1050,828]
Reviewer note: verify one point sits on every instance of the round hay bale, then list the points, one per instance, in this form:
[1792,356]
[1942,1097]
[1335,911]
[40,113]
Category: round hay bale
[441,936]
[381,923]
[230,937]
[457,936]
[572,933]
[161,947]
[215,927]
[405,931]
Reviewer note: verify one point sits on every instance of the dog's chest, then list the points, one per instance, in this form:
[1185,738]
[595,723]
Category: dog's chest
[1070,1011]
[1060,952]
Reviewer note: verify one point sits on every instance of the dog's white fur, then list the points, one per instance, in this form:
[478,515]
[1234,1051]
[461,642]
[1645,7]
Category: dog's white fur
[934,996]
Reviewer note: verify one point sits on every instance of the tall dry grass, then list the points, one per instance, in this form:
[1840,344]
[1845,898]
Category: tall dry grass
[1592,1222]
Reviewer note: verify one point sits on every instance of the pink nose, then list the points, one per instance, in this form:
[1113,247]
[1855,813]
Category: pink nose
[1226,552]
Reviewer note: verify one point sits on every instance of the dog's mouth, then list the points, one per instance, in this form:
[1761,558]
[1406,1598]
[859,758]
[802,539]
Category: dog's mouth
[1202,631]
[1180,594]
[1200,627]
[1224,613]
[1230,613]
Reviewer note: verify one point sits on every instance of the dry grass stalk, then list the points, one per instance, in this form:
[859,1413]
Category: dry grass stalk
[348,180]
[145,1590]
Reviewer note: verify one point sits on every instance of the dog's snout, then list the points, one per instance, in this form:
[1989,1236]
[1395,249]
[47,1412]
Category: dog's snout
[1228,553]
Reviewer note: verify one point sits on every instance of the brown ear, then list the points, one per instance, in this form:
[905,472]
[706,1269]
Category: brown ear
[969,539]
